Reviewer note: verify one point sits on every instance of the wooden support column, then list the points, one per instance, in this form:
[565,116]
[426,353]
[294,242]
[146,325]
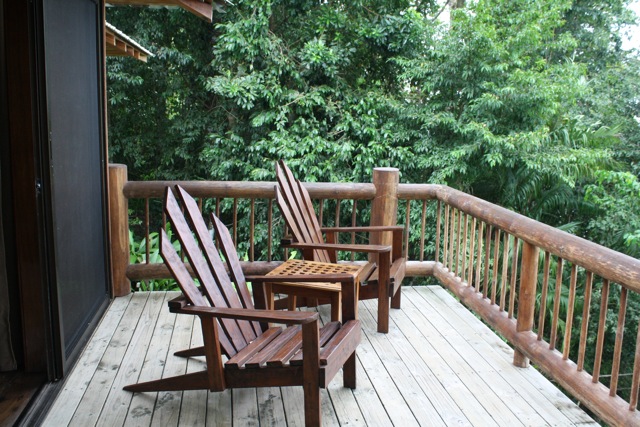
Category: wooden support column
[384,211]
[526,296]
[119,230]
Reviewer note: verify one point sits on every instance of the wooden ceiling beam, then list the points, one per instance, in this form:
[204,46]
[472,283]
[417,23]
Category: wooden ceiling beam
[119,44]
[201,8]
[198,8]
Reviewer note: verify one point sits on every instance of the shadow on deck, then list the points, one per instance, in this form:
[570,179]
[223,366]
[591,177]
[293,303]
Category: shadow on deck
[439,365]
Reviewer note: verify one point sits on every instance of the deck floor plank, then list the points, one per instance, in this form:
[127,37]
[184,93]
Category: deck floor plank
[541,394]
[118,400]
[471,364]
[167,409]
[438,365]
[496,355]
[142,404]
[438,330]
[90,407]
[403,374]
[418,353]
[368,399]
[219,409]
[270,406]
[76,385]
[193,411]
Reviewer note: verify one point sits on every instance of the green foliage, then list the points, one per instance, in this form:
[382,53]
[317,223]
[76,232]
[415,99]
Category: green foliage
[138,255]
[616,224]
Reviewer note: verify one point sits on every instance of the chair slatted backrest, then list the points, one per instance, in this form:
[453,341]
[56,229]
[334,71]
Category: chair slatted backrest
[239,332]
[238,296]
[188,287]
[296,207]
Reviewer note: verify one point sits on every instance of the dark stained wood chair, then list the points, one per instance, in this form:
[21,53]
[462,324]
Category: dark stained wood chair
[381,280]
[239,349]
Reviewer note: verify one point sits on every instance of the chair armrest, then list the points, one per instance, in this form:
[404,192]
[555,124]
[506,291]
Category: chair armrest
[270,316]
[375,249]
[332,278]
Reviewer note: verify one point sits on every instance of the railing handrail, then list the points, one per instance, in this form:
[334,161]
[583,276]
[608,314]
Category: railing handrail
[247,189]
[605,262]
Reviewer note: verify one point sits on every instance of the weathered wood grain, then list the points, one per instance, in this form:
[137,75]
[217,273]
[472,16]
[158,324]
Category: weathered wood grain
[438,365]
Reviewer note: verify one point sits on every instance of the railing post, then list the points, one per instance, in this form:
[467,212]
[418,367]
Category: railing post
[526,296]
[384,210]
[119,230]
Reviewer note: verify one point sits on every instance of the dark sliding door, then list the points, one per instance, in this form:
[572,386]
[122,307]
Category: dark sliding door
[74,175]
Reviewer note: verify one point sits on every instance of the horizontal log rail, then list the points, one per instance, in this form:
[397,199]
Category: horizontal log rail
[607,263]
[509,269]
[246,189]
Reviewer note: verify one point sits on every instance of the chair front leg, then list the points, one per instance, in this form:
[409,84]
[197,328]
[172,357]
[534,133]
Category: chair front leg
[213,355]
[311,373]
[349,372]
[383,292]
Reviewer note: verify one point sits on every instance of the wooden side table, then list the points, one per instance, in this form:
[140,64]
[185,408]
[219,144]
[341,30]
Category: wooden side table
[300,270]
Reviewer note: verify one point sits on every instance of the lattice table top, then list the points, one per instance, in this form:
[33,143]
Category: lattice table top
[293,267]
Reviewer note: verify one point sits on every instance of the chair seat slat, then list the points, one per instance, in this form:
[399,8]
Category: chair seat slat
[326,334]
[252,348]
[291,334]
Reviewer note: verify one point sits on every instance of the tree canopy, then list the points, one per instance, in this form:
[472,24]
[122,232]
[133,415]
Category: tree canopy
[529,104]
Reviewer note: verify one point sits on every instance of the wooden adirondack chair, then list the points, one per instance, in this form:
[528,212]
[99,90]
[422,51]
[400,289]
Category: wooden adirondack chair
[381,280]
[300,354]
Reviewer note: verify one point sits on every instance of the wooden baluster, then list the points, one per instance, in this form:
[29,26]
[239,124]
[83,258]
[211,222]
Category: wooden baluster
[458,242]
[465,244]
[353,224]
[438,221]
[337,219]
[496,259]
[235,222]
[503,289]
[320,211]
[604,306]
[543,297]
[526,296]
[269,229]
[617,350]
[252,223]
[514,276]
[422,229]
[479,256]
[505,270]
[218,215]
[487,257]
[445,243]
[569,321]
[635,384]
[285,233]
[406,228]
[472,252]
[146,230]
[556,305]
[584,329]
[452,226]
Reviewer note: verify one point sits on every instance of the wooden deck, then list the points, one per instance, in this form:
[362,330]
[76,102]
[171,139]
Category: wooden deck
[439,365]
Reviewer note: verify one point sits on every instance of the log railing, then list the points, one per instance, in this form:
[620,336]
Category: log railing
[550,294]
